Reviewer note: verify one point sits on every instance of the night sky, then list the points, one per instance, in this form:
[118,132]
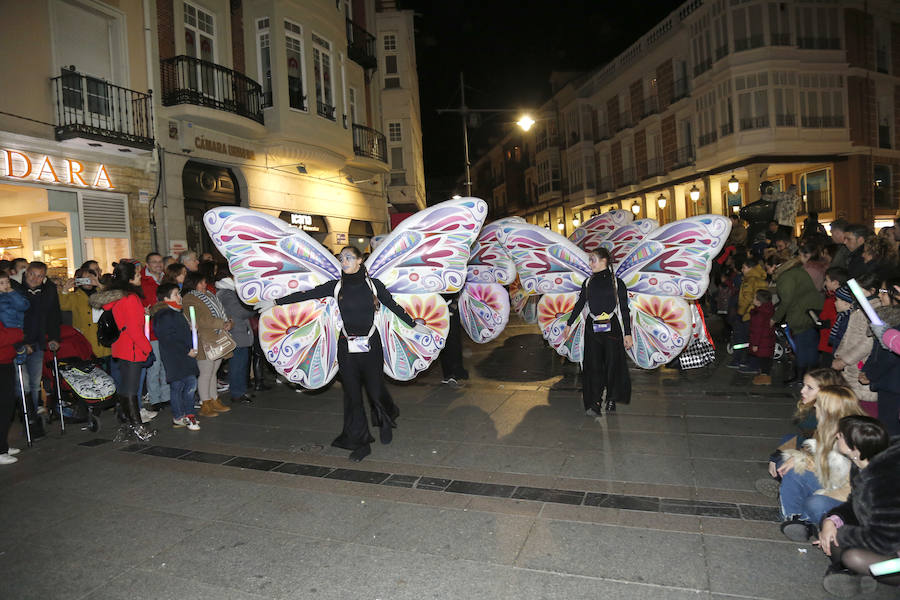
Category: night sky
[507,51]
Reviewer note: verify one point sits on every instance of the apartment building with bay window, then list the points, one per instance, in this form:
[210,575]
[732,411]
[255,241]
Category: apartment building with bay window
[796,93]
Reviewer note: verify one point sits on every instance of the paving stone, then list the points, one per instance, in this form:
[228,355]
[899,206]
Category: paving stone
[358,475]
[165,451]
[259,464]
[549,495]
[206,457]
[306,470]
[481,489]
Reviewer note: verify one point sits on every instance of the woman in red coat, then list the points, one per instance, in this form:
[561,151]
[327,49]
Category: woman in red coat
[10,338]
[762,335]
[123,297]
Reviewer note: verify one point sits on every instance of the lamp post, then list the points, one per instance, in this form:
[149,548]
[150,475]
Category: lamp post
[694,193]
[661,201]
[733,185]
[635,207]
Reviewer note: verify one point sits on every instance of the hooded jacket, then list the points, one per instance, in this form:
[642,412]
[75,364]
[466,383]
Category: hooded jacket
[237,311]
[128,311]
[42,319]
[754,280]
[797,296]
[762,335]
[883,366]
[871,514]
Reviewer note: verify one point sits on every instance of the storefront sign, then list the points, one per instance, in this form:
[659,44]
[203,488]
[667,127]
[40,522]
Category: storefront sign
[340,238]
[50,169]
[308,223]
[176,247]
[223,148]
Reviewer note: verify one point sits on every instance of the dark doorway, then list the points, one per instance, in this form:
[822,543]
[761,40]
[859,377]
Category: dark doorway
[205,187]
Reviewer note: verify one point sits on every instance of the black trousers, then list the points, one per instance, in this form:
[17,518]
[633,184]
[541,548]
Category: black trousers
[362,370]
[130,377]
[605,368]
[888,409]
[8,390]
[451,355]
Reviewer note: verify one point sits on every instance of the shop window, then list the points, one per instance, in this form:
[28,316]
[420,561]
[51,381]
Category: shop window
[883,188]
[815,190]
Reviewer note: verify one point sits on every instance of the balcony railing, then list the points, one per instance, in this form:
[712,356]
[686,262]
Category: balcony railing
[707,139]
[702,67]
[624,121]
[726,129]
[754,122]
[819,43]
[786,120]
[188,80]
[822,122]
[361,46]
[684,156]
[651,106]
[681,89]
[325,110]
[545,142]
[605,184]
[749,43]
[780,39]
[653,167]
[369,143]
[91,108]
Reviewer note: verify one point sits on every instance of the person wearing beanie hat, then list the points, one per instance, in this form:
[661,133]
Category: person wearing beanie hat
[843,305]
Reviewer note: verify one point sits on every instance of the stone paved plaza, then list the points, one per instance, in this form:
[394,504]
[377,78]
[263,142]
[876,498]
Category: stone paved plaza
[498,488]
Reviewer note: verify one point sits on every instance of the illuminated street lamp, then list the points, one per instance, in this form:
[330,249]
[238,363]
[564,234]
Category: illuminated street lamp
[694,193]
[525,122]
[576,221]
[635,208]
[733,184]
[560,225]
[661,201]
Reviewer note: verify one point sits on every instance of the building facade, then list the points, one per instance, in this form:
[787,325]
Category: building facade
[803,94]
[131,118]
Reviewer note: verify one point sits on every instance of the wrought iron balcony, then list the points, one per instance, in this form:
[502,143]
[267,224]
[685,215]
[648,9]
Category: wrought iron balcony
[90,108]
[325,110]
[780,38]
[721,52]
[652,168]
[819,43]
[749,43]
[361,46]
[627,177]
[684,156]
[814,122]
[786,120]
[369,143]
[726,129]
[188,80]
[707,139]
[755,122]
[624,121]
[702,67]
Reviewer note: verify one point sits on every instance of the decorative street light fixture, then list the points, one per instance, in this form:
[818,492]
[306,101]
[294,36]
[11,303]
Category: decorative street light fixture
[576,221]
[661,201]
[635,208]
[525,122]
[694,193]
[733,184]
[560,225]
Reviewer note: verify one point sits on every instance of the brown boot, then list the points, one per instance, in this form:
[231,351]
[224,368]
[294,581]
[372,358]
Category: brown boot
[207,410]
[762,379]
[218,406]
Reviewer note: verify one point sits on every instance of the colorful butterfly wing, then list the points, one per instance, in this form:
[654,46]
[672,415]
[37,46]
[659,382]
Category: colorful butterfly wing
[428,251]
[489,262]
[660,328]
[622,241]
[545,261]
[407,352]
[675,260]
[589,235]
[268,258]
[525,305]
[300,340]
[483,310]
[553,312]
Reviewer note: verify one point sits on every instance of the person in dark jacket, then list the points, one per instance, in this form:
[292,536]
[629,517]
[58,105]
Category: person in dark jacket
[854,239]
[240,315]
[177,353]
[131,349]
[358,298]
[451,355]
[10,346]
[882,368]
[762,335]
[42,321]
[866,528]
[607,335]
[797,295]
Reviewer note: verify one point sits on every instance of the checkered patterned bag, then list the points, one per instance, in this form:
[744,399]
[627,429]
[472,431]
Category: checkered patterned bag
[699,353]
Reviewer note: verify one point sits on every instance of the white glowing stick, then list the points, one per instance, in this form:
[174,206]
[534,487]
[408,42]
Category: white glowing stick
[863,302]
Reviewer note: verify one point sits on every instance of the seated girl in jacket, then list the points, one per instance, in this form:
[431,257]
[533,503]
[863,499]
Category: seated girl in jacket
[866,528]
[816,478]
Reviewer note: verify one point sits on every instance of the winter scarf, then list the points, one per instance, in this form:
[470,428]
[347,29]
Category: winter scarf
[212,303]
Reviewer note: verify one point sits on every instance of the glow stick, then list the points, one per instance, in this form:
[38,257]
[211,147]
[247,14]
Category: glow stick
[147,326]
[741,346]
[193,327]
[885,567]
[864,303]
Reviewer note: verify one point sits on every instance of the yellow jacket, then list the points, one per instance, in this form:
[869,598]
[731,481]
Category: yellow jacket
[754,279]
[83,318]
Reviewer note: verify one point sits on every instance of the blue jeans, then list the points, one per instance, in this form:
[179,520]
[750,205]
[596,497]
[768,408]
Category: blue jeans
[156,378]
[34,363]
[181,396]
[798,497]
[239,371]
[807,348]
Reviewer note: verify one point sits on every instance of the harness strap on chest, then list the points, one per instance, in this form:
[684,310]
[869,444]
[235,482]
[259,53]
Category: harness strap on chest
[337,291]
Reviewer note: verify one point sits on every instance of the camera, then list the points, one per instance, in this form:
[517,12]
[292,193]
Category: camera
[82,281]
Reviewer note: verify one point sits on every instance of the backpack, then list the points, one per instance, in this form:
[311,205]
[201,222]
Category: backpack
[107,330]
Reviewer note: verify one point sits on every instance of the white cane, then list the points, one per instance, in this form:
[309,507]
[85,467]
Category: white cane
[59,404]
[24,405]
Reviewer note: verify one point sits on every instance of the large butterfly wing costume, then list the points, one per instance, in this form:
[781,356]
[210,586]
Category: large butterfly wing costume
[663,267]
[425,256]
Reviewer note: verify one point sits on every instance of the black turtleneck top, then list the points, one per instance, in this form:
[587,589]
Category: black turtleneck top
[355,301]
[600,294]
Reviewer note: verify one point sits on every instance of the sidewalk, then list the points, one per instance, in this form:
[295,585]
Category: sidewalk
[498,488]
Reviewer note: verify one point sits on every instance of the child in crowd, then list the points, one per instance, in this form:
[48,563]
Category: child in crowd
[835,277]
[843,305]
[762,335]
[12,304]
[178,354]
[753,280]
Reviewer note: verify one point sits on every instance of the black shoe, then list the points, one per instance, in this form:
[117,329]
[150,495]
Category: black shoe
[610,406]
[245,399]
[386,434]
[360,453]
[798,530]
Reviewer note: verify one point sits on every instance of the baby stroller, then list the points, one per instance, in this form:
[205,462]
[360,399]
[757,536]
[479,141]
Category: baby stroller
[77,380]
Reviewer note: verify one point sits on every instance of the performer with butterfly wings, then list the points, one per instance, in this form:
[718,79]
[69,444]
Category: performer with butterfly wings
[357,316]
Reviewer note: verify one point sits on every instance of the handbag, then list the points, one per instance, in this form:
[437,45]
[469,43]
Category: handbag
[221,346]
[699,353]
